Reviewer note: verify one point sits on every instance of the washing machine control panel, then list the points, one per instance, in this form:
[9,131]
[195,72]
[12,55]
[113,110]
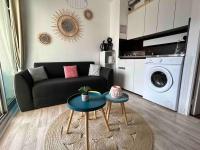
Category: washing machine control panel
[154,60]
[164,60]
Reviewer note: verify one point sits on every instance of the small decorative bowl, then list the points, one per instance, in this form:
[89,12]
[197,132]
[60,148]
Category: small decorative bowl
[115,91]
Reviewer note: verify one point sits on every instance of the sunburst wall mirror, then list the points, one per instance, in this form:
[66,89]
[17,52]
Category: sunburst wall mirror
[67,25]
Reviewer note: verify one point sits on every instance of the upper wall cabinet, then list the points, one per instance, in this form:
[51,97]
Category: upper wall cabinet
[166,15]
[158,16]
[182,13]
[136,23]
[151,17]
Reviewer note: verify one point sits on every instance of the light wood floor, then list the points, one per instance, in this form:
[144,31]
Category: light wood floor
[171,130]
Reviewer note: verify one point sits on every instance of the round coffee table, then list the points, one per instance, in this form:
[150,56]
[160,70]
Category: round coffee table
[96,101]
[121,100]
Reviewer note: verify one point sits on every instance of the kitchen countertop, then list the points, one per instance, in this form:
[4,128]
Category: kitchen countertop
[132,57]
[167,55]
[150,56]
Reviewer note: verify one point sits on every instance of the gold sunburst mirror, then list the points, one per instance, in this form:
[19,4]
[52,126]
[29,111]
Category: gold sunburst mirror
[67,25]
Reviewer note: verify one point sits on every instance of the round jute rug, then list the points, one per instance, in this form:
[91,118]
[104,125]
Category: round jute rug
[136,136]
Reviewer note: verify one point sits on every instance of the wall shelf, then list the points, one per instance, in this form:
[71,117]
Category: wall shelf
[107,59]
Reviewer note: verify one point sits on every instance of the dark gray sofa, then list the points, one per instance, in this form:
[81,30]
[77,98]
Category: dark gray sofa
[57,89]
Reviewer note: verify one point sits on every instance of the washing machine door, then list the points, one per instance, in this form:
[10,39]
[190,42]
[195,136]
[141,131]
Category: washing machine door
[160,79]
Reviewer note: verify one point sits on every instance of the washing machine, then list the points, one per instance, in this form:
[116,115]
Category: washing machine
[162,80]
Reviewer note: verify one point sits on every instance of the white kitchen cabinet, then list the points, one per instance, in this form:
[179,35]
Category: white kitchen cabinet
[125,74]
[138,79]
[166,15]
[151,17]
[131,75]
[182,13]
[136,23]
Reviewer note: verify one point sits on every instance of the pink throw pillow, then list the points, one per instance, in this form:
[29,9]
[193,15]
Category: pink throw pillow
[70,71]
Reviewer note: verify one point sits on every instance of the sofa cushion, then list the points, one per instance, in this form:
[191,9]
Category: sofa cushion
[52,91]
[55,69]
[38,74]
[70,71]
[94,70]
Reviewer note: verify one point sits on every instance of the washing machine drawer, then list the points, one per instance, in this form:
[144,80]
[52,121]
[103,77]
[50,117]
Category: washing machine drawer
[168,99]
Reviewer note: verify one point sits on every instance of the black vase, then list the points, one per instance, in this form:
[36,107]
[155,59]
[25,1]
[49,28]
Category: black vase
[104,46]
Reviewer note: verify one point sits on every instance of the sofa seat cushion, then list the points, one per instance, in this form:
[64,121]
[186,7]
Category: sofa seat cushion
[52,91]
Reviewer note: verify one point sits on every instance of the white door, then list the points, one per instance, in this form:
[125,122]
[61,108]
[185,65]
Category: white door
[182,13]
[138,81]
[151,17]
[195,109]
[196,99]
[136,23]
[166,15]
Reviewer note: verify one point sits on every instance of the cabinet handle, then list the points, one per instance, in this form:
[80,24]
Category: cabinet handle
[122,68]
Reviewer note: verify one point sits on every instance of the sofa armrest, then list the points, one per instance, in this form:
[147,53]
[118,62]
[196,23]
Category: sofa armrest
[23,90]
[107,73]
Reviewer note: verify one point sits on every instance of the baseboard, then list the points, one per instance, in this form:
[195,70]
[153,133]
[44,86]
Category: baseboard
[8,117]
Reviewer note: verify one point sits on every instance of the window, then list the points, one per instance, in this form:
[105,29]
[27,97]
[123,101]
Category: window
[3,106]
[6,67]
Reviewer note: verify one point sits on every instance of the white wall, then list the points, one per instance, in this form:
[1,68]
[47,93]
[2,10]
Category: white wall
[37,18]
[190,60]
[114,27]
[123,12]
[114,23]
[123,16]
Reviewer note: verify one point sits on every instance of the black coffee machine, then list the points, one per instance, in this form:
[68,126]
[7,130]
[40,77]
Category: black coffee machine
[107,46]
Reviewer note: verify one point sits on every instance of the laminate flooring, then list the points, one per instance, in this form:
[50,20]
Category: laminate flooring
[172,131]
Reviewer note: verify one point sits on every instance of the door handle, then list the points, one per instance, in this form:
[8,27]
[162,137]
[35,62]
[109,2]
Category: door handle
[122,68]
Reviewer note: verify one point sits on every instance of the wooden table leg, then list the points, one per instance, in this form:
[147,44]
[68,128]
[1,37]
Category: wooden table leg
[106,122]
[69,121]
[95,115]
[87,131]
[124,110]
[109,108]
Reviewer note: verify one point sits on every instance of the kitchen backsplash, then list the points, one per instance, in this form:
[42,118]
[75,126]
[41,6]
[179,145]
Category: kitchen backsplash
[127,48]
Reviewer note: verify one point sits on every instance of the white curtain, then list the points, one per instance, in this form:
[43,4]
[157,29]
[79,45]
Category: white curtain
[15,18]
[11,34]
[6,38]
[11,49]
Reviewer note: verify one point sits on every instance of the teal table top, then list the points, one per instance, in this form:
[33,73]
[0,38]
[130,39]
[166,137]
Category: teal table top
[95,102]
[122,99]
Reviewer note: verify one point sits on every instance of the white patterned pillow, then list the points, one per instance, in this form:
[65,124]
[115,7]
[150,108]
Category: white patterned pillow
[38,74]
[94,70]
